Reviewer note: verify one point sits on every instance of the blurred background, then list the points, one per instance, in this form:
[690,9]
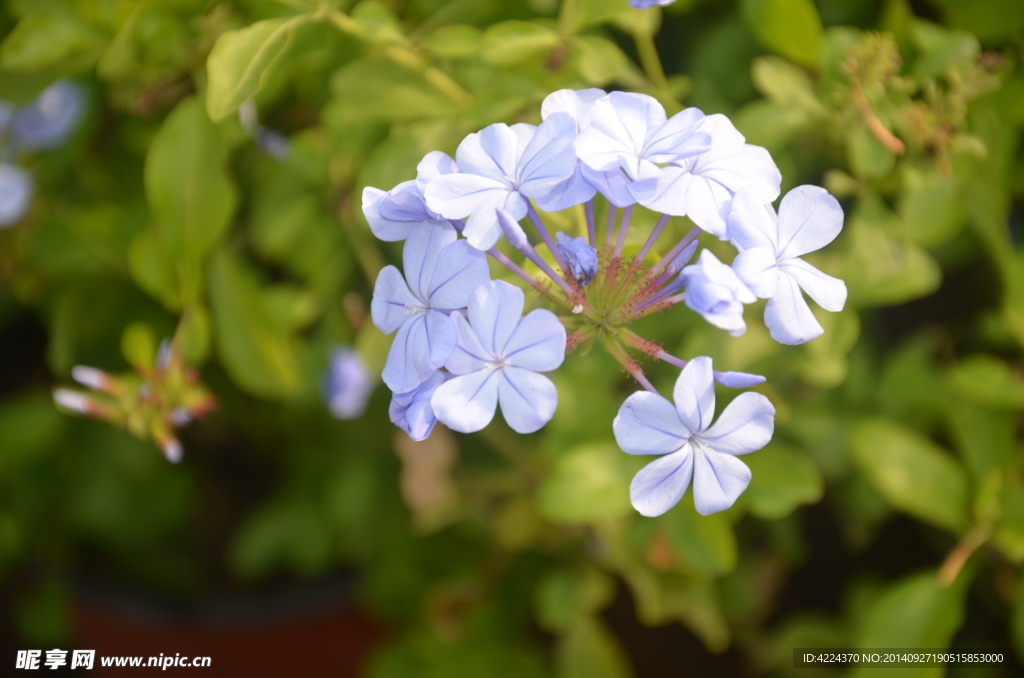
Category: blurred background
[182,210]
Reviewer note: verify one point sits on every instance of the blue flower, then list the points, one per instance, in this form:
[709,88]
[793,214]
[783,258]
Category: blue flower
[497,360]
[649,424]
[579,256]
[15,194]
[348,384]
[442,272]
[50,119]
[647,4]
[394,214]
[501,167]
[716,292]
[629,135]
[808,219]
[412,412]
[702,186]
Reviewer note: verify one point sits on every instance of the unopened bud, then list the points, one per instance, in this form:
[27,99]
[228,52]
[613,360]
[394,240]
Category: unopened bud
[91,377]
[72,400]
[172,450]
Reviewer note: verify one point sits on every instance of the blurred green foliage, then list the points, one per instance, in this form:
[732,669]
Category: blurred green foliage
[161,211]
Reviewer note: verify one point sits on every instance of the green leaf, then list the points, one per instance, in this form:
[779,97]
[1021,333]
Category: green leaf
[151,270]
[510,42]
[240,61]
[1017,622]
[942,49]
[988,382]
[783,479]
[705,545]
[138,345]
[51,39]
[594,11]
[455,41]
[882,270]
[563,595]
[259,359]
[791,28]
[587,484]
[600,61]
[1009,530]
[190,193]
[784,83]
[869,157]
[914,612]
[589,650]
[377,89]
[824,362]
[912,473]
[932,206]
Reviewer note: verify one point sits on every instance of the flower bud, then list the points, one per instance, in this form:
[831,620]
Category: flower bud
[580,257]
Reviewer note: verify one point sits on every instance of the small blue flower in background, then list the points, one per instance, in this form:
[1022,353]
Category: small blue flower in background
[15,194]
[808,219]
[442,274]
[691,447]
[498,360]
[412,412]
[271,141]
[348,384]
[41,124]
[647,4]
[581,257]
[717,293]
[50,119]
[502,167]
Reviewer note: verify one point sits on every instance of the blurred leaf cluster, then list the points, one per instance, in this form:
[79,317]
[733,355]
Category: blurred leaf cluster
[493,554]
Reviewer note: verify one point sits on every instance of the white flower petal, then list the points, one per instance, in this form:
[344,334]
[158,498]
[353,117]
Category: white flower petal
[788,317]
[757,268]
[718,480]
[467,403]
[809,219]
[459,270]
[469,355]
[828,292]
[752,221]
[383,229]
[528,400]
[494,312]
[649,424]
[660,485]
[694,395]
[745,425]
[393,302]
[537,343]
[420,254]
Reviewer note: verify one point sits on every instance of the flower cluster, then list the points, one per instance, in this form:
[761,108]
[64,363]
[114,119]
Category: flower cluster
[39,125]
[463,346]
[160,396]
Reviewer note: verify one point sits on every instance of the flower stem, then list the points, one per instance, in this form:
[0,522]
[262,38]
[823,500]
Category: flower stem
[533,282]
[615,350]
[591,230]
[649,58]
[545,236]
[626,216]
[610,231]
[674,252]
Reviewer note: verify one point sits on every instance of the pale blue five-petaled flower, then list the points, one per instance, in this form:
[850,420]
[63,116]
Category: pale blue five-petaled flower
[498,359]
[503,167]
[690,447]
[442,273]
[769,263]
[392,215]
